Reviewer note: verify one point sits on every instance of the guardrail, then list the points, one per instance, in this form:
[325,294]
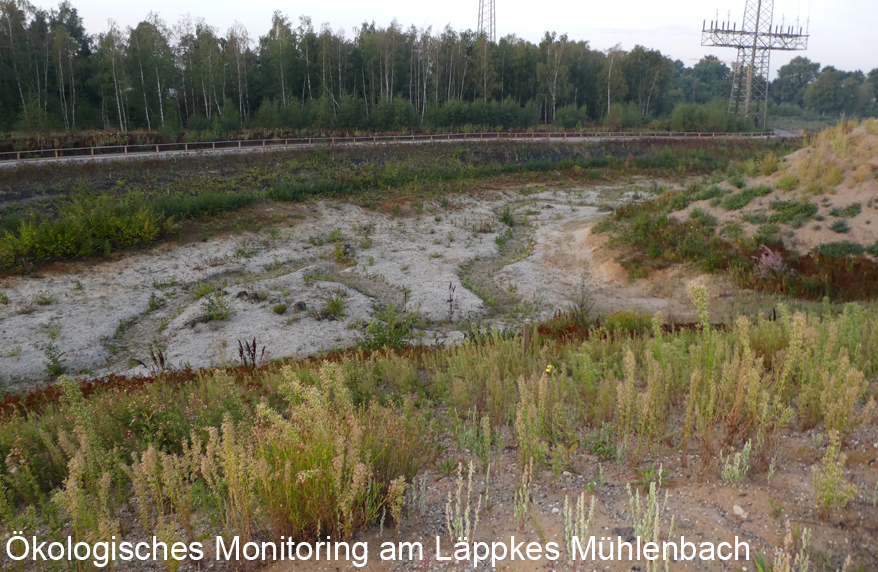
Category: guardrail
[210,147]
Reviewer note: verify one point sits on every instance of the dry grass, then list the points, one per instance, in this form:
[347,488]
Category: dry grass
[325,447]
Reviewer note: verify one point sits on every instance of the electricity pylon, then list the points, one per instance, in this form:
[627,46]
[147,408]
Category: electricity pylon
[488,19]
[754,41]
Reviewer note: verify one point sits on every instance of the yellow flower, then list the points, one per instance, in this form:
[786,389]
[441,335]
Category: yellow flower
[550,368]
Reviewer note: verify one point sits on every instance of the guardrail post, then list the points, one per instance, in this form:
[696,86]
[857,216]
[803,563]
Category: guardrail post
[286,143]
[156,150]
[213,145]
[126,150]
[18,157]
[239,144]
[186,147]
[374,140]
[431,138]
[56,154]
[92,153]
[263,144]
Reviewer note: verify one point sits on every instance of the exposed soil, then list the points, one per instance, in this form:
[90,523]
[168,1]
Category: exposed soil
[858,186]
[103,314]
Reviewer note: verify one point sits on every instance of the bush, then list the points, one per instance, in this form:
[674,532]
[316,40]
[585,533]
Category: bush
[570,116]
[849,211]
[702,217]
[709,117]
[738,201]
[268,115]
[769,164]
[788,182]
[228,120]
[790,211]
[840,226]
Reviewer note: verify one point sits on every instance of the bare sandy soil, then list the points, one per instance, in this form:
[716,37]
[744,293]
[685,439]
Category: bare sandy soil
[100,315]
[858,185]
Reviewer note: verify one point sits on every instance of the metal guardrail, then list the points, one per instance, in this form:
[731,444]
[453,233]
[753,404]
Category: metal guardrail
[203,147]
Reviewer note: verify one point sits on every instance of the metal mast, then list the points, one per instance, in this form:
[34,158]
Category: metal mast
[754,41]
[488,19]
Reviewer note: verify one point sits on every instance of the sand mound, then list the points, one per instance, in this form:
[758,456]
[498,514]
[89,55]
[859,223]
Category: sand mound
[815,198]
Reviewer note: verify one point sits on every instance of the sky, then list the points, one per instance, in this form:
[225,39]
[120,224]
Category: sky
[842,31]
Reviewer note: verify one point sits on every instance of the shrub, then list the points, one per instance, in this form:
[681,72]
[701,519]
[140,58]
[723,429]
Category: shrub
[739,200]
[849,211]
[831,489]
[789,211]
[840,226]
[769,164]
[336,303]
[839,249]
[788,182]
[216,308]
[629,320]
[279,309]
[702,217]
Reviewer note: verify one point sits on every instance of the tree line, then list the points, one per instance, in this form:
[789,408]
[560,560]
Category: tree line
[162,77]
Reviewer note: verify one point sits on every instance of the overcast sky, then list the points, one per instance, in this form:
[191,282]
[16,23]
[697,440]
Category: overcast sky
[842,31]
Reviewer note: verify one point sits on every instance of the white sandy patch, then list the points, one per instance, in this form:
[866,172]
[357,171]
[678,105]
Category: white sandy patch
[104,324]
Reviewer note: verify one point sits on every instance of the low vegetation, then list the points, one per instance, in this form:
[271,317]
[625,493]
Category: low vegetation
[97,213]
[322,446]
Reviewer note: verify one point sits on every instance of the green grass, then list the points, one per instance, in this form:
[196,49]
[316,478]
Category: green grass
[702,218]
[739,200]
[89,213]
[839,249]
[849,211]
[789,211]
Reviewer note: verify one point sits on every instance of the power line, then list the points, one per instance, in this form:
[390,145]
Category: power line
[754,42]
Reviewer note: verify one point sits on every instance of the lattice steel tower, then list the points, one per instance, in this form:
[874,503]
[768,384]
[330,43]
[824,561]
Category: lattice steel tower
[488,19]
[754,42]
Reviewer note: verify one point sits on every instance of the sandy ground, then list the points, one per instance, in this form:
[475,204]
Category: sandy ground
[859,185]
[102,314]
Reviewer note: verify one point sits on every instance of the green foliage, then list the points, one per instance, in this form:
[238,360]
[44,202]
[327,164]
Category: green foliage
[389,329]
[703,218]
[739,200]
[839,249]
[792,212]
[788,182]
[849,211]
[628,320]
[506,216]
[279,309]
[336,303]
[840,226]
[570,116]
[216,308]
[708,117]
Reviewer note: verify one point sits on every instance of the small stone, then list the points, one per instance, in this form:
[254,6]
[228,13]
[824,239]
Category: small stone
[556,510]
[300,306]
[739,512]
